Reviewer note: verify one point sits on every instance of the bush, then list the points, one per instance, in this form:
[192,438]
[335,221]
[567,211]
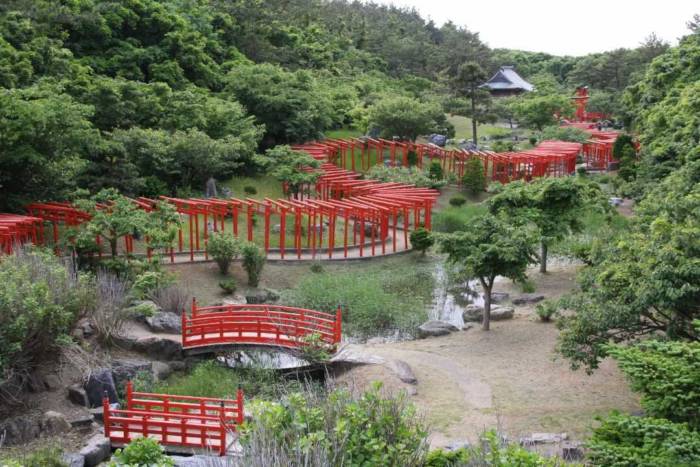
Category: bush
[457,201]
[110,311]
[532,140]
[224,248]
[412,158]
[250,190]
[564,133]
[667,374]
[503,146]
[228,285]
[527,286]
[146,283]
[171,298]
[457,219]
[253,262]
[408,175]
[315,349]
[421,240]
[41,298]
[546,310]
[141,451]
[316,267]
[46,457]
[643,441]
[435,170]
[581,171]
[474,179]
[337,430]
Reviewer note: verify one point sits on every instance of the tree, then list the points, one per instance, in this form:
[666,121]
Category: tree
[421,240]
[644,283]
[253,262]
[466,84]
[489,247]
[555,205]
[289,167]
[474,179]
[538,111]
[405,117]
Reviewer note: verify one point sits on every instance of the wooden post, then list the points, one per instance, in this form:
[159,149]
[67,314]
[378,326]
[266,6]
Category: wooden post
[105,414]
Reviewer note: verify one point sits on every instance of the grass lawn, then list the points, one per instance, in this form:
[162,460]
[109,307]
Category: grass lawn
[342,133]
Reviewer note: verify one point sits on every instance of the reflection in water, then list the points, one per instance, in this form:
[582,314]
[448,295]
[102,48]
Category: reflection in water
[273,359]
[449,300]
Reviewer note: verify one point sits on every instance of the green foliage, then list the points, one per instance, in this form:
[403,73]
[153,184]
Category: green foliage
[456,219]
[563,133]
[41,298]
[472,100]
[642,282]
[667,374]
[371,430]
[442,458]
[147,282]
[503,146]
[405,117]
[474,179]
[408,175]
[142,451]
[643,441]
[435,170]
[316,267]
[546,310]
[375,301]
[228,285]
[250,190]
[224,248]
[314,349]
[421,240]
[537,111]
[487,248]
[457,201]
[288,166]
[45,457]
[253,262]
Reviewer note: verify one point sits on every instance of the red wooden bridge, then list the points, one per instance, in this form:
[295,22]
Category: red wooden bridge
[215,328]
[181,423]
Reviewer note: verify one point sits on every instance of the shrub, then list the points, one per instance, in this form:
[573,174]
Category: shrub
[532,140]
[408,175]
[581,171]
[110,311]
[412,158]
[643,441]
[546,310]
[253,262]
[224,248]
[527,286]
[314,349]
[503,146]
[316,267]
[457,219]
[337,430]
[667,374]
[435,170]
[228,285]
[457,201]
[171,298]
[148,282]
[250,190]
[562,133]
[421,240]
[474,178]
[46,457]
[142,451]
[443,458]
[41,298]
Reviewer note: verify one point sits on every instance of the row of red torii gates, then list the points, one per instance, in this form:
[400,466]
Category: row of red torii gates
[342,215]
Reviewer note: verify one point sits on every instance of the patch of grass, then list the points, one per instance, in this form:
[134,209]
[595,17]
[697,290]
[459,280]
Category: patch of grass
[343,133]
[596,225]
[264,187]
[213,379]
[376,300]
[455,219]
[463,128]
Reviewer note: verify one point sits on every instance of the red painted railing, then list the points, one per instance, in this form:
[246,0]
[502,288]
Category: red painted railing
[274,325]
[183,421]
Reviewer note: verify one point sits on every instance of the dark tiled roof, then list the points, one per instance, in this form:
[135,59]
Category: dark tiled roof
[508,79]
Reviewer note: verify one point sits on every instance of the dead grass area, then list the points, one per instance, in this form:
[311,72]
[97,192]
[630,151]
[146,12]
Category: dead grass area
[509,377]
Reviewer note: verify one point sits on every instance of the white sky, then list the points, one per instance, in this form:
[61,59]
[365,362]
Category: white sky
[562,27]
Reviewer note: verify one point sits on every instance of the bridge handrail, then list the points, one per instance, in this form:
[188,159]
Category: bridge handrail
[287,324]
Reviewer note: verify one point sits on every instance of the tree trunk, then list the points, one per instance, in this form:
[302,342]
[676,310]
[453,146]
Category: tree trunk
[474,138]
[486,321]
[543,257]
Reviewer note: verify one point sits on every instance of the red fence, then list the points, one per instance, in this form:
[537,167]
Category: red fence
[182,421]
[273,325]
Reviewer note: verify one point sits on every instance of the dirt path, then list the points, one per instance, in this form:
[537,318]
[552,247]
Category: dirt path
[509,377]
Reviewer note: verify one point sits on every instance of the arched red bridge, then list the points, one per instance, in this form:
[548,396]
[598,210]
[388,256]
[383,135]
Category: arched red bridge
[214,328]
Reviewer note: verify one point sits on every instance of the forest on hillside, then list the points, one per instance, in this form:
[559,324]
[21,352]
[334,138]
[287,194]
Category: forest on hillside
[153,97]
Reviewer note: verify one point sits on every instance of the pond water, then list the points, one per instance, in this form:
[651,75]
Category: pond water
[449,300]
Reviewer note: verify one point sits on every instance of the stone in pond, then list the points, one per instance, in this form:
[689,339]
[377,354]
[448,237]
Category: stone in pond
[435,328]
[524,299]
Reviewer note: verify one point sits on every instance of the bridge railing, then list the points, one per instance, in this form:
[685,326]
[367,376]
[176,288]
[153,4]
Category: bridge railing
[183,421]
[275,325]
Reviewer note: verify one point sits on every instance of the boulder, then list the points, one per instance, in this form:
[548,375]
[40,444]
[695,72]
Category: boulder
[161,370]
[98,449]
[82,423]
[86,327]
[164,322]
[256,298]
[473,313]
[73,459]
[200,461]
[272,295]
[527,298]
[501,312]
[435,328]
[499,297]
[571,451]
[403,371]
[544,438]
[234,300]
[467,326]
[78,396]
[99,382]
[20,430]
[124,370]
[54,423]
[157,347]
[457,445]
